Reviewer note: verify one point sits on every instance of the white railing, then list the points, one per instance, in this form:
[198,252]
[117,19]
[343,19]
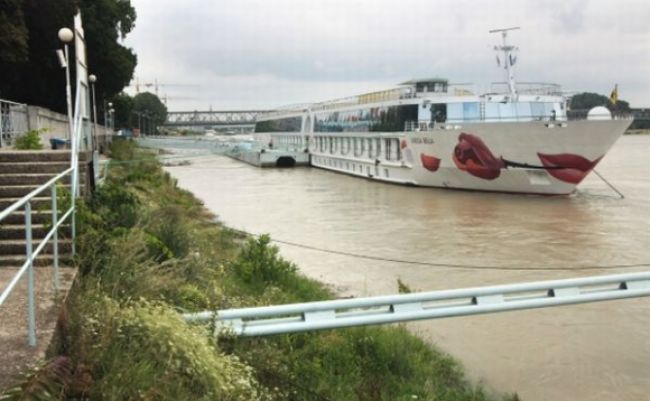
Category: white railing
[30,252]
[13,121]
[529,88]
[293,318]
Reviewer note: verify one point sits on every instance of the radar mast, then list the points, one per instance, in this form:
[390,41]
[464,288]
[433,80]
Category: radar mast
[509,59]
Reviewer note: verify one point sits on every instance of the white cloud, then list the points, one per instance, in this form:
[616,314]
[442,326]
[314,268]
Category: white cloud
[265,53]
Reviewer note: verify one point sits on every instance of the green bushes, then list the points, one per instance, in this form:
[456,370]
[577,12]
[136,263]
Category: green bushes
[30,140]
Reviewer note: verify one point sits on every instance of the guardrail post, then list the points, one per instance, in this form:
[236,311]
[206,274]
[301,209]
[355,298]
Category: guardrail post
[73,195]
[55,237]
[31,318]
[1,129]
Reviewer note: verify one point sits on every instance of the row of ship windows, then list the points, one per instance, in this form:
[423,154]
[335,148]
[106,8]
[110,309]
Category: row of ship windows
[350,166]
[290,140]
[370,148]
[396,118]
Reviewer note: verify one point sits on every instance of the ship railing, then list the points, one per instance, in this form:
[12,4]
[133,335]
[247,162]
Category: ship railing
[13,121]
[529,88]
[452,123]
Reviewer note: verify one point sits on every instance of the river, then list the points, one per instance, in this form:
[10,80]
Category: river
[598,351]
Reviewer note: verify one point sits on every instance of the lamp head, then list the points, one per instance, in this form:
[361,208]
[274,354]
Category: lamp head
[65,35]
[92,78]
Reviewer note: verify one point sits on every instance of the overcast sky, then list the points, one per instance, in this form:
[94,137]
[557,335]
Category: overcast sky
[252,54]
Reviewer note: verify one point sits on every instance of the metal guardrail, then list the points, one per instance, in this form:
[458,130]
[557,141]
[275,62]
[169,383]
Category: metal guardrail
[13,121]
[323,315]
[31,253]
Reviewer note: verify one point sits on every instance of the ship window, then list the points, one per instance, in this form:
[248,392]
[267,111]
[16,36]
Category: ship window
[388,148]
[289,124]
[492,111]
[523,110]
[439,112]
[377,119]
[459,112]
[455,112]
[398,150]
[548,110]
[386,172]
[507,111]
[537,110]
[471,111]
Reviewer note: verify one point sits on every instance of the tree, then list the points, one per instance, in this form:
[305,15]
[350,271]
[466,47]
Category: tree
[587,100]
[148,106]
[13,32]
[105,22]
[123,105]
[38,78]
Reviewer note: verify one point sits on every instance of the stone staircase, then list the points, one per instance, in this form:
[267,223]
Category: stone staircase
[20,173]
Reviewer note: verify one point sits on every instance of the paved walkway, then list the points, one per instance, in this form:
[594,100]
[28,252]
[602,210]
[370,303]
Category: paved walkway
[15,354]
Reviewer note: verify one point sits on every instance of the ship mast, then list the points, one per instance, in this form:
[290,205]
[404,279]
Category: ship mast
[508,58]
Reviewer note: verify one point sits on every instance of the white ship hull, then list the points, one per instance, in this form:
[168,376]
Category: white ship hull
[549,158]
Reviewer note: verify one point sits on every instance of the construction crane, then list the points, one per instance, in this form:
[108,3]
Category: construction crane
[155,85]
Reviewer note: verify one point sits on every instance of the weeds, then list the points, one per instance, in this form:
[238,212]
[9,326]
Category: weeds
[30,140]
[148,249]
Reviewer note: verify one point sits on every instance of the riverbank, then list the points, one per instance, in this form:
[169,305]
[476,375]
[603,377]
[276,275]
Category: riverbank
[149,250]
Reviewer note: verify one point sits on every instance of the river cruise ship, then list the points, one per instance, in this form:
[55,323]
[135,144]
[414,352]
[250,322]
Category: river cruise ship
[515,137]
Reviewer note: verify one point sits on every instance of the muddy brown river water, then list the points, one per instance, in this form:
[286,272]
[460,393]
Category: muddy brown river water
[597,351]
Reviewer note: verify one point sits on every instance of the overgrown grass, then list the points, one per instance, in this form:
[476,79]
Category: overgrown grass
[149,250]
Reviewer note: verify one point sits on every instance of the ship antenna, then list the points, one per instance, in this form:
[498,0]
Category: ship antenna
[509,59]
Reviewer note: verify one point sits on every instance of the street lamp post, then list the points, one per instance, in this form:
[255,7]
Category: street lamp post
[112,113]
[108,112]
[66,36]
[92,79]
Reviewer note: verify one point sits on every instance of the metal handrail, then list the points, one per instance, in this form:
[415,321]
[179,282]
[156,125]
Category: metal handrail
[16,205]
[31,254]
[279,319]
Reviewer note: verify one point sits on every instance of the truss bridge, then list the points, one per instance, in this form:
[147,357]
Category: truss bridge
[220,120]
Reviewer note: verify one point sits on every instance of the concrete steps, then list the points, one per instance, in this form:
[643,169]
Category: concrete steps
[17,231]
[35,167]
[17,247]
[30,156]
[16,261]
[21,172]
[10,179]
[18,191]
[38,217]
[38,203]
